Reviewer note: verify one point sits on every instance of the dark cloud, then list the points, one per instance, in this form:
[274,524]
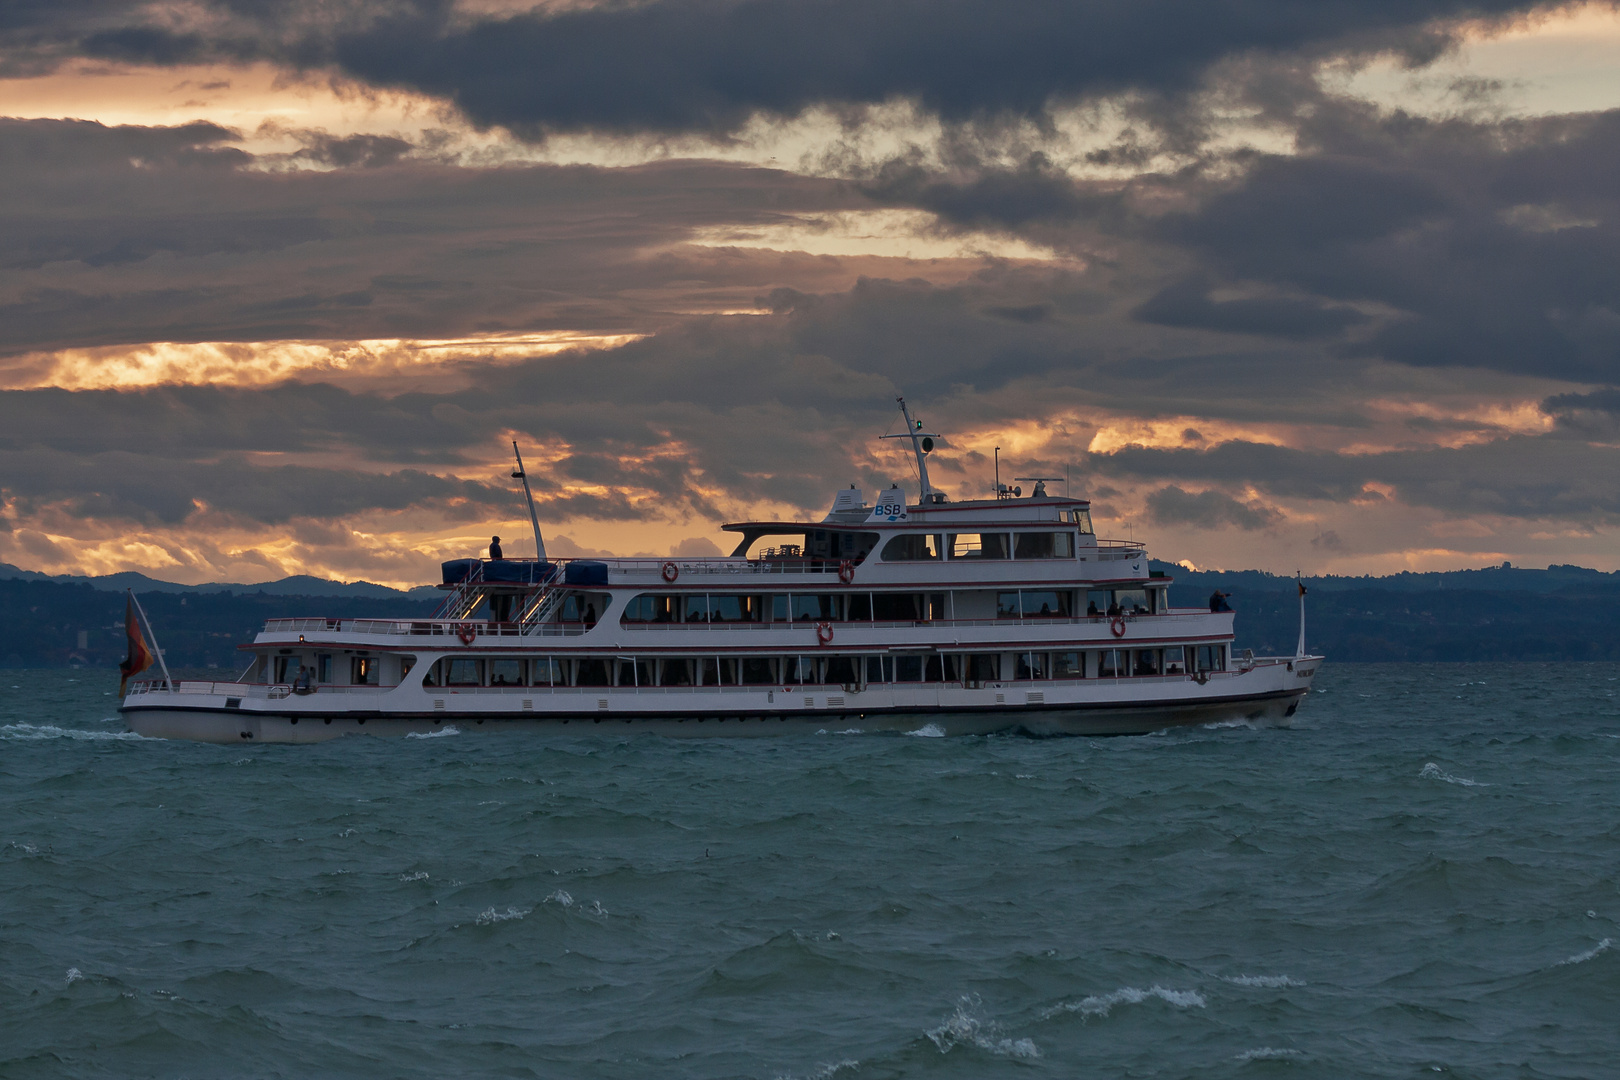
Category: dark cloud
[1171,505]
[1187,303]
[708,65]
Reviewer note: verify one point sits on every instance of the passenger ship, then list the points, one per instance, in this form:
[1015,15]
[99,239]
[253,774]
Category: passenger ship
[933,616]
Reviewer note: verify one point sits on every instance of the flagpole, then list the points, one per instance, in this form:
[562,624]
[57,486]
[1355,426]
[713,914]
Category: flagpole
[1300,582]
[164,664]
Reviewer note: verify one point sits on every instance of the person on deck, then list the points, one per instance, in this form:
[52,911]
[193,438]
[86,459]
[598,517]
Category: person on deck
[495,548]
[1217,601]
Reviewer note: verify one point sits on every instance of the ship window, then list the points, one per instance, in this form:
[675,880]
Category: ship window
[1082,518]
[1043,545]
[593,672]
[879,669]
[1210,658]
[1031,665]
[288,668]
[816,608]
[632,673]
[758,671]
[364,671]
[896,607]
[1007,605]
[583,608]
[799,669]
[1046,602]
[434,675]
[323,668]
[859,607]
[677,672]
[908,669]
[649,608]
[1133,601]
[933,669]
[463,671]
[1147,662]
[548,671]
[911,547]
[506,672]
[1068,665]
[405,665]
[734,608]
[984,667]
[1175,662]
[977,545]
[841,670]
[1108,664]
[695,609]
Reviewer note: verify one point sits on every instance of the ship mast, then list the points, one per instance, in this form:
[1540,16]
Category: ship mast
[918,440]
[528,497]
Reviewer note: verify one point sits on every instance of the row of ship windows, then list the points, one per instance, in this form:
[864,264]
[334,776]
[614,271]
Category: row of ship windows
[469,671]
[885,607]
[914,547]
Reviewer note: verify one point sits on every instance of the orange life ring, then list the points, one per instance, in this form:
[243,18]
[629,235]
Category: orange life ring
[1118,626]
[824,633]
[846,571]
[466,633]
[671,572]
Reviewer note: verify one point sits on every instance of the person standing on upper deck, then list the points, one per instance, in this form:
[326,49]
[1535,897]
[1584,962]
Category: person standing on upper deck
[495,548]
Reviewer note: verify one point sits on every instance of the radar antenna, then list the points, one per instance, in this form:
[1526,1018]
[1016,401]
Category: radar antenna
[922,442]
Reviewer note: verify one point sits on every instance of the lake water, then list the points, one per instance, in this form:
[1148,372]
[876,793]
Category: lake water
[1421,876]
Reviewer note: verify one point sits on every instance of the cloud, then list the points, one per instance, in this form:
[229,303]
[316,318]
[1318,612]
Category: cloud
[1170,505]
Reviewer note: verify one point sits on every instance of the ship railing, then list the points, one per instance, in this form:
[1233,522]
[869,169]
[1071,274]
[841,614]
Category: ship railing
[1149,621]
[423,627]
[1120,549]
[215,688]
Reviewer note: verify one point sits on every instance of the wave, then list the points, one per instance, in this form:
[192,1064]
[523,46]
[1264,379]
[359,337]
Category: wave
[928,731]
[560,897]
[1581,958]
[825,1072]
[1268,981]
[24,730]
[441,733]
[963,1028]
[1270,1053]
[74,975]
[420,875]
[1431,771]
[1101,1005]
[489,916]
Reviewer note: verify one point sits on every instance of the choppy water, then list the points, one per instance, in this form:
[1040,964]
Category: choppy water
[1422,875]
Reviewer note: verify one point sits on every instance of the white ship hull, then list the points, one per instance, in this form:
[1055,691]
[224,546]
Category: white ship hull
[1267,693]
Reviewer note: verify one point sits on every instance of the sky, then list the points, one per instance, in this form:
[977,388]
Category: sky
[1328,286]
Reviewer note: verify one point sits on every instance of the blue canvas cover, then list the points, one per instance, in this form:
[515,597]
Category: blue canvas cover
[457,570]
[585,572]
[518,571]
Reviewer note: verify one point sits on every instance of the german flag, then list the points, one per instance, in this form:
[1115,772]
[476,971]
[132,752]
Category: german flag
[140,657]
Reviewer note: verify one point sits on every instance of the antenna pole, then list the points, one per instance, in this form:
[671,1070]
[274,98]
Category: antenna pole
[162,663]
[916,448]
[528,497]
[998,473]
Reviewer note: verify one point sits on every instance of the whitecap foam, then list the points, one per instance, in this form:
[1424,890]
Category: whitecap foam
[24,730]
[73,975]
[963,1028]
[420,875]
[1103,1004]
[1581,958]
[850,731]
[1270,1053]
[928,731]
[1272,982]
[441,733]
[596,908]
[560,897]
[824,1072]
[489,916]
[1431,771]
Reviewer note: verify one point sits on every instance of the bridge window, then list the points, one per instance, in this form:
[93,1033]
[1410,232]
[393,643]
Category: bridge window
[1081,518]
[978,545]
[1043,545]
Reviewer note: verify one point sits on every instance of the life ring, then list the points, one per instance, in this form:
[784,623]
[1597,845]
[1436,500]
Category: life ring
[671,572]
[846,571]
[824,633]
[1118,626]
[466,633]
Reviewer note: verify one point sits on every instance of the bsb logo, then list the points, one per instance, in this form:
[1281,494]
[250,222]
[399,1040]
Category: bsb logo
[891,507]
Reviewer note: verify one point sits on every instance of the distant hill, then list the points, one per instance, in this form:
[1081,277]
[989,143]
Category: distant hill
[298,585]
